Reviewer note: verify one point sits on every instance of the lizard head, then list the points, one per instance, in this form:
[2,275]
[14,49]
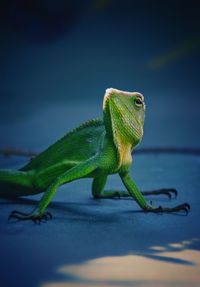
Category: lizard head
[124,114]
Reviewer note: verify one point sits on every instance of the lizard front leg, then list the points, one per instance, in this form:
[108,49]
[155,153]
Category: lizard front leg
[77,172]
[98,188]
[139,198]
[99,192]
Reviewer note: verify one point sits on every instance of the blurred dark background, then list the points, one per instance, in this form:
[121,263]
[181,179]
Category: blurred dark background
[66,53]
[56,60]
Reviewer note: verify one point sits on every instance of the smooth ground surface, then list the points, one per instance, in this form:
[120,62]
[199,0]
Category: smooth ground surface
[105,242]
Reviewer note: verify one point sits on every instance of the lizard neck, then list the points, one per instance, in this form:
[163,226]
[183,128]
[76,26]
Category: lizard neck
[122,145]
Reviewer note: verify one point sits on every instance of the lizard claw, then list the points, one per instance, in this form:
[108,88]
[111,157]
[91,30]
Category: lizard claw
[49,215]
[170,192]
[182,207]
[35,217]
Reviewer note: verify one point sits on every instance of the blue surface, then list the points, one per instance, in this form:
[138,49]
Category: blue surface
[84,229]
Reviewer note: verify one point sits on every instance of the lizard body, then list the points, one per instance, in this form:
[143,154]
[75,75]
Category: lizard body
[95,150]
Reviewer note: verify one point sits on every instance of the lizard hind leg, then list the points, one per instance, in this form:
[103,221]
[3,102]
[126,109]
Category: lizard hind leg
[38,214]
[16,183]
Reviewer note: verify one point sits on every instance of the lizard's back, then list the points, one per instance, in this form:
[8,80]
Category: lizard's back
[76,146]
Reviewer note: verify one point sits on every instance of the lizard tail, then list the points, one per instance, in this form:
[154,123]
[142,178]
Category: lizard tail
[15,183]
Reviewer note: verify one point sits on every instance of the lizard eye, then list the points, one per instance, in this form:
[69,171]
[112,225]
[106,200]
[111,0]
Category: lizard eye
[138,102]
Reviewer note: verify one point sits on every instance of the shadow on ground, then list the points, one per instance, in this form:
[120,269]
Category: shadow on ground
[100,243]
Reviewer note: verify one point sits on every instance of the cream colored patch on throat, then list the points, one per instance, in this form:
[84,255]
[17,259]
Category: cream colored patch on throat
[125,155]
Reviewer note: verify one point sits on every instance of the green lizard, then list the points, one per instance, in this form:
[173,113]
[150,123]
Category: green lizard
[95,150]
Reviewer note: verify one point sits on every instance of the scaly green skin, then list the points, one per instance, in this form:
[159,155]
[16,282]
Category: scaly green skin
[95,150]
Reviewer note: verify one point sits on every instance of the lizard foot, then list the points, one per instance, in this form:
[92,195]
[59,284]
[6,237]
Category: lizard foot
[110,195]
[170,192]
[182,207]
[35,217]
[116,194]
